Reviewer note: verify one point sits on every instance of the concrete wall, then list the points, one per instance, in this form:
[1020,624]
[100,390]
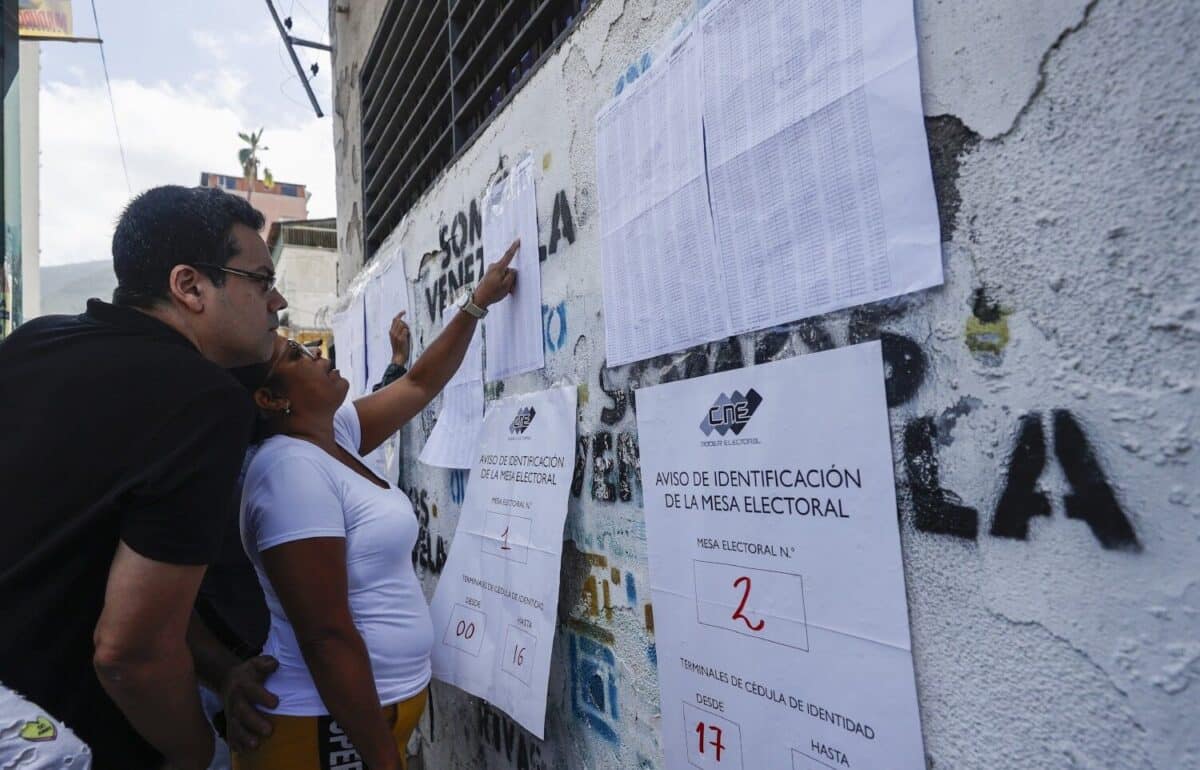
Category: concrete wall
[1043,403]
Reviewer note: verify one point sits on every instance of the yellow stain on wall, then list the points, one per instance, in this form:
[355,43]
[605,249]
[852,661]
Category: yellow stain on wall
[987,336]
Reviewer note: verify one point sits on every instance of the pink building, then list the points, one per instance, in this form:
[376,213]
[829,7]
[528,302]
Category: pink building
[281,202]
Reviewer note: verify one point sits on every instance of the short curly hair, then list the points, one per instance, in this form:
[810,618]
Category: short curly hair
[174,225]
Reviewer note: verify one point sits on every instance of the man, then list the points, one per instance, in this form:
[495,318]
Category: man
[123,436]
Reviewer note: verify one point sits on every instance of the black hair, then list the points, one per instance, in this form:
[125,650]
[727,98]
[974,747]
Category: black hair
[252,377]
[173,225]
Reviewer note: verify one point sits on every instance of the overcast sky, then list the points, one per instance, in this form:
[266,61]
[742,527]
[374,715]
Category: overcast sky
[186,78]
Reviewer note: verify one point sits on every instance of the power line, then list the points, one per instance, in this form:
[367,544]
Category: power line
[320,24]
[112,104]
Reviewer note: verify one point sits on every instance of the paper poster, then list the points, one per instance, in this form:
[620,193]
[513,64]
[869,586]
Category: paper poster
[806,119]
[658,250]
[514,324]
[471,368]
[779,604]
[349,341]
[455,436]
[454,439]
[377,322]
[496,604]
[385,295]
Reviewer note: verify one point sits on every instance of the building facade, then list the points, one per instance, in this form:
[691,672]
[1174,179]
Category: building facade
[306,270]
[1043,402]
[281,202]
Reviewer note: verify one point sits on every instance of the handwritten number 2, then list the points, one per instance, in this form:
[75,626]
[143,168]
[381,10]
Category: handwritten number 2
[738,614]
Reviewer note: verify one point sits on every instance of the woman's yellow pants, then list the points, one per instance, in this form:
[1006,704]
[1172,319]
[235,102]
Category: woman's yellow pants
[318,743]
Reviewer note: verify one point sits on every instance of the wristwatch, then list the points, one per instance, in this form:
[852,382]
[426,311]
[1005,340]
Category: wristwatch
[470,308]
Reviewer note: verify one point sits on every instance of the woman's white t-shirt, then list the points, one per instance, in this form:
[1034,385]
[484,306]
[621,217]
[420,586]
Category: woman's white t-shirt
[294,490]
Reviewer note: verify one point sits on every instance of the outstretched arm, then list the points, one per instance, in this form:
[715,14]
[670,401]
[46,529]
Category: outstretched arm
[381,413]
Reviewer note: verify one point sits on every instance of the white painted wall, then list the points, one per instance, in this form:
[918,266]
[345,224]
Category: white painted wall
[1063,348]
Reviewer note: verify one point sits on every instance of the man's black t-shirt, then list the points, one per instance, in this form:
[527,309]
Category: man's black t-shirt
[114,428]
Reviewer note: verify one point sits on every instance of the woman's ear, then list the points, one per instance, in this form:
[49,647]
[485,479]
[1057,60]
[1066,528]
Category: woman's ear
[270,403]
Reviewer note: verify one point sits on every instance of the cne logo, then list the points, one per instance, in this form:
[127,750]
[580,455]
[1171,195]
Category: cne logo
[730,413]
[524,417]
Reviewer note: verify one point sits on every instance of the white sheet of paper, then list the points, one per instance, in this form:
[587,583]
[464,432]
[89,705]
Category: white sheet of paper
[349,340]
[658,251]
[818,194]
[777,581]
[383,297]
[455,435]
[514,324]
[471,368]
[377,323]
[496,604]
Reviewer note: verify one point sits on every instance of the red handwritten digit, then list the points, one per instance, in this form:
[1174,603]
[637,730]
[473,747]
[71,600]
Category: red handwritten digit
[737,614]
[716,744]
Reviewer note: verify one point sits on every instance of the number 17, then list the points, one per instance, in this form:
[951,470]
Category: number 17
[715,742]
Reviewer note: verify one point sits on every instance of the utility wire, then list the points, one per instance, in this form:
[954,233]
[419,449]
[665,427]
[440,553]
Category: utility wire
[112,105]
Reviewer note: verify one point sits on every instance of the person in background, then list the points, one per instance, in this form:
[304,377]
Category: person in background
[401,339]
[332,543]
[123,438]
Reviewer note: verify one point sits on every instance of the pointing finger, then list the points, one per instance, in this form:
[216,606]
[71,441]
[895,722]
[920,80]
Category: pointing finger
[508,255]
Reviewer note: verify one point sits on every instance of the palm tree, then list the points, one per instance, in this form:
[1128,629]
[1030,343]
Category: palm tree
[248,157]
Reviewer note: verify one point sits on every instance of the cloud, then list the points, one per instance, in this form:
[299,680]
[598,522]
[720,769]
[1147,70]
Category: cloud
[210,44]
[171,134]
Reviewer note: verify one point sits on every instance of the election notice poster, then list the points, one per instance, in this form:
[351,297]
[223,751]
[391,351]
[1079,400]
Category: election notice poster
[496,604]
[779,604]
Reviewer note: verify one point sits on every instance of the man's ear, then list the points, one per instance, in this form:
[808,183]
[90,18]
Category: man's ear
[186,287]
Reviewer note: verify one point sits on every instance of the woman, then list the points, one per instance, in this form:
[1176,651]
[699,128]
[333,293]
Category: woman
[331,543]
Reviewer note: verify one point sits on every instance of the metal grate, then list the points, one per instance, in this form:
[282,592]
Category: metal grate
[434,75]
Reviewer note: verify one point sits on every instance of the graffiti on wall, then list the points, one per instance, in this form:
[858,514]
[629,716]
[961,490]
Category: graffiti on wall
[429,553]
[611,455]
[594,685]
[508,740]
[460,245]
[554,326]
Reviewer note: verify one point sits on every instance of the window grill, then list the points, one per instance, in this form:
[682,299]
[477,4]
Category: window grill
[435,74]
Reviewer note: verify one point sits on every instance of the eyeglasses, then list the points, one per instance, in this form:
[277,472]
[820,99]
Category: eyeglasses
[294,352]
[298,349]
[267,280]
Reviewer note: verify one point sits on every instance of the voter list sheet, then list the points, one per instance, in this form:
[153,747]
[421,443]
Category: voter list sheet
[771,165]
